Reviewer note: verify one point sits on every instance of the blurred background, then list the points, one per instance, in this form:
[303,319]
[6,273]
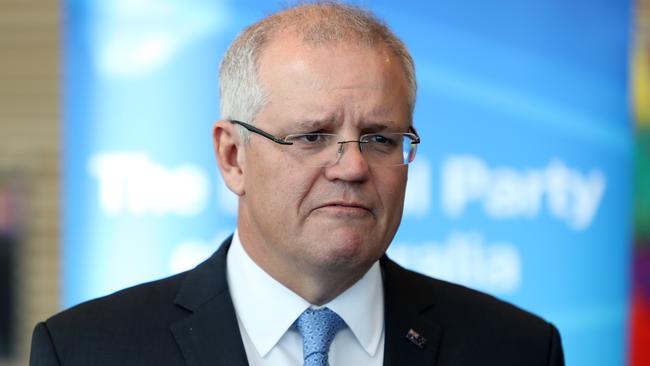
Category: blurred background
[532,182]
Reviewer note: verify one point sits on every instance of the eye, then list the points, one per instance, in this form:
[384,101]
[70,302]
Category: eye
[311,137]
[378,139]
[311,140]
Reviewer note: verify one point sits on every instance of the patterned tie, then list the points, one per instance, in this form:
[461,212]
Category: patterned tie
[318,328]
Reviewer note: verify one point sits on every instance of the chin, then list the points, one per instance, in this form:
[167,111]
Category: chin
[349,251]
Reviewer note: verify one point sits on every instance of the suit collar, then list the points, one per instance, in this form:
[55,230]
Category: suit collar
[412,337]
[209,335]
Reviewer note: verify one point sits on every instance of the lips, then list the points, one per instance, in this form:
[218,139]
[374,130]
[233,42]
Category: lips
[344,207]
[346,204]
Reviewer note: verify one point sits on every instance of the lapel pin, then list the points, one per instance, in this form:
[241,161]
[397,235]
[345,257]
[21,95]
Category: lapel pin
[416,338]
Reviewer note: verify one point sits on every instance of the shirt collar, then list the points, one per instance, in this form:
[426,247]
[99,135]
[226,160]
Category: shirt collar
[361,306]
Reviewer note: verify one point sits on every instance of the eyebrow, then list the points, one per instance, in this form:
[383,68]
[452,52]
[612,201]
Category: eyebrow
[314,124]
[379,126]
[370,126]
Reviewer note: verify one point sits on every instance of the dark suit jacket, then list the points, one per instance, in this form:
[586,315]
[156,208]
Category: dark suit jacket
[189,319]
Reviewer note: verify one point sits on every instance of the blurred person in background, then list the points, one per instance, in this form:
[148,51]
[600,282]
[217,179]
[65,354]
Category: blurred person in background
[316,137]
[8,228]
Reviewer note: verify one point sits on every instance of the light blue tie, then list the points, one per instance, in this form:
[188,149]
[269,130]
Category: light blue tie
[318,328]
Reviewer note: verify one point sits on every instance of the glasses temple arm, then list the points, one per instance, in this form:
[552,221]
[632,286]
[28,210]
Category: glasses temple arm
[261,132]
[412,130]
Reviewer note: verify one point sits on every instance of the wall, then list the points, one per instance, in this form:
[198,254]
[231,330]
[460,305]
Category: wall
[30,153]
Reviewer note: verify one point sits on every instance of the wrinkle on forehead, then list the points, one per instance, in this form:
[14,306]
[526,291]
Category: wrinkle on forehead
[321,84]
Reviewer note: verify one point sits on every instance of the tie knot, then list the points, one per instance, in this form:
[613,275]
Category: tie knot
[318,328]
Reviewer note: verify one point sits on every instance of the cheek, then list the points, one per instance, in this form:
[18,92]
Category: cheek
[278,184]
[392,189]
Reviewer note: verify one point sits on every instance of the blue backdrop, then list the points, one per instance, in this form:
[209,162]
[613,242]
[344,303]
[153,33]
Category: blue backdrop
[520,187]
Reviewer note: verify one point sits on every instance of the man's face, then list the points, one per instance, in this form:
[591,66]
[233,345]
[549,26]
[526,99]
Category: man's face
[300,219]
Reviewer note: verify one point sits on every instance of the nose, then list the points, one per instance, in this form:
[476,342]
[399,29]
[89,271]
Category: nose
[350,165]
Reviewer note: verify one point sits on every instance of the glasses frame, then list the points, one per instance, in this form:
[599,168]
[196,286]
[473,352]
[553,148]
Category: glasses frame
[280,141]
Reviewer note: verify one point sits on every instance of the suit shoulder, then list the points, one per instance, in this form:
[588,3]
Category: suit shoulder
[461,304]
[140,302]
[131,324]
[476,328]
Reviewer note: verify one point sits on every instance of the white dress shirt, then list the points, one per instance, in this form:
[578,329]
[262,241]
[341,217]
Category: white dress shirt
[266,310]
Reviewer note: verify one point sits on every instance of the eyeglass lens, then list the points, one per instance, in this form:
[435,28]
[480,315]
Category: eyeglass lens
[322,150]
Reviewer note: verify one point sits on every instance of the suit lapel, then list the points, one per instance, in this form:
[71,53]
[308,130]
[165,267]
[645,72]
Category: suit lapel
[412,338]
[209,335]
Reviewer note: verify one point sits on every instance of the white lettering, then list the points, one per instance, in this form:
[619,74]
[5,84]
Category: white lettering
[465,258]
[573,197]
[463,180]
[418,189]
[131,182]
[507,193]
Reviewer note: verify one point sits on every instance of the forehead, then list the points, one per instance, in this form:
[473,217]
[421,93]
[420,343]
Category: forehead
[289,49]
[335,80]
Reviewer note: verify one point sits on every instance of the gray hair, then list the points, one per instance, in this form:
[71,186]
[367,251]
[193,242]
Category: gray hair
[242,95]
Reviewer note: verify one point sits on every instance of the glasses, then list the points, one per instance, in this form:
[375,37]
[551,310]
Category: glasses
[326,149]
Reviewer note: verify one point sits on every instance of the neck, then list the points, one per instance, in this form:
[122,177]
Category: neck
[318,285]
[322,288]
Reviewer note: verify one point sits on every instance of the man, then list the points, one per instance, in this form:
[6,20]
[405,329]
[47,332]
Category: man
[317,134]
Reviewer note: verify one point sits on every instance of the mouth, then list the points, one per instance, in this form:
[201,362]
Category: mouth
[345,208]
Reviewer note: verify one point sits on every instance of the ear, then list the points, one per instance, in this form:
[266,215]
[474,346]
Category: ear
[230,155]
